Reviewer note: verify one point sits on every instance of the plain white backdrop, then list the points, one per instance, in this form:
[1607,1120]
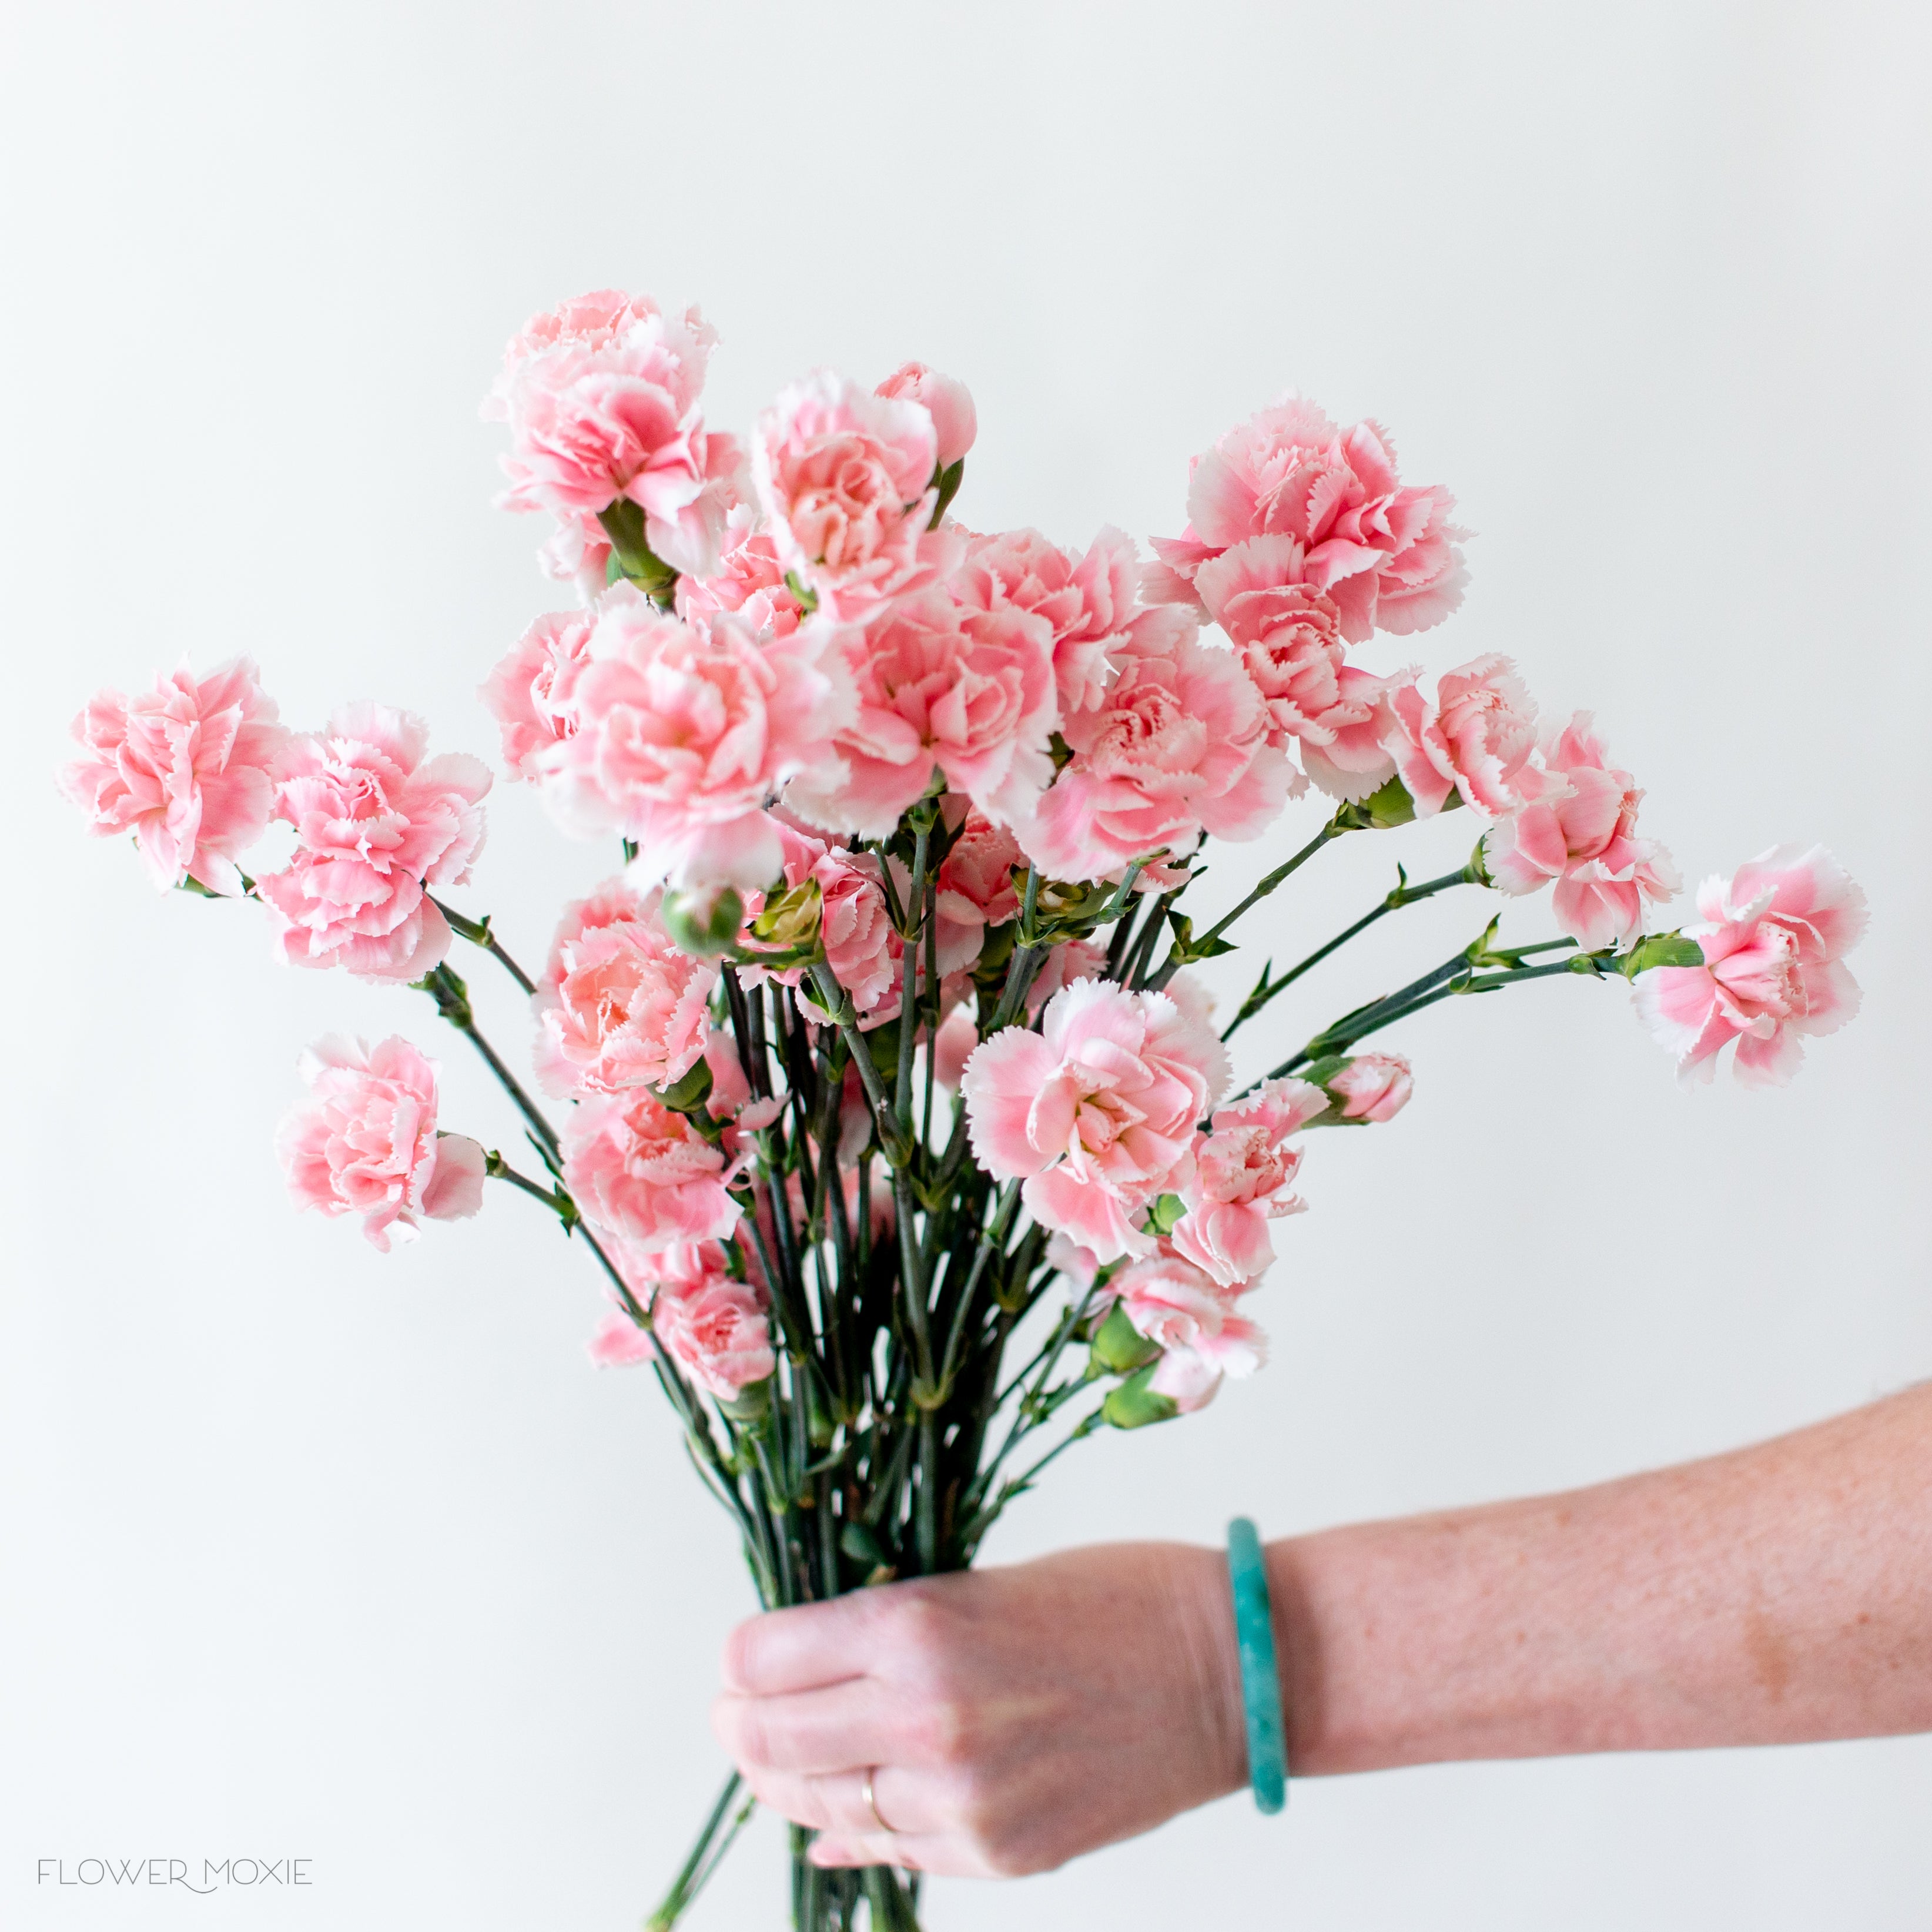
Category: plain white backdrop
[307,1553]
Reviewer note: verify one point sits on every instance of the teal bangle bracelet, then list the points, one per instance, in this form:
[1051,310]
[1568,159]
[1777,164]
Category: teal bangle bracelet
[1261,1679]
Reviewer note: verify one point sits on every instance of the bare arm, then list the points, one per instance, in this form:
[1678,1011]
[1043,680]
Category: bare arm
[1019,1716]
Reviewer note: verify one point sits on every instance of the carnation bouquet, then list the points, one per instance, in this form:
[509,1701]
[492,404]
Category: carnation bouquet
[874,1080]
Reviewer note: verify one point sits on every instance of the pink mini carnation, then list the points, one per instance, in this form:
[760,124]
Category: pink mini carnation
[618,1005]
[601,400]
[717,1329]
[956,423]
[1774,936]
[1191,1316]
[1069,963]
[863,946]
[1373,1087]
[1288,635]
[618,1342]
[645,1172]
[375,822]
[683,738]
[1096,1111]
[364,1142]
[1243,1178]
[967,695]
[955,1044]
[1384,553]
[529,693]
[1090,601]
[1476,738]
[749,582]
[187,768]
[844,479]
[1580,831]
[975,889]
[1177,747]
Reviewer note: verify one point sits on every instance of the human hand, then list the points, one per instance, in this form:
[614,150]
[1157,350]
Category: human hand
[1011,1718]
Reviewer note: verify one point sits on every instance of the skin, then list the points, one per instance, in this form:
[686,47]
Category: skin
[1019,1716]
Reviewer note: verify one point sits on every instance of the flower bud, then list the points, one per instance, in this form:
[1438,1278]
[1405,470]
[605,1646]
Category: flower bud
[790,920]
[1133,1405]
[704,922]
[1119,1348]
[956,423]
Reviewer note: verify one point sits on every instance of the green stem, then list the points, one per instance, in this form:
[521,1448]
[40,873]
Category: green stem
[1404,894]
[452,1000]
[698,1867]
[477,932]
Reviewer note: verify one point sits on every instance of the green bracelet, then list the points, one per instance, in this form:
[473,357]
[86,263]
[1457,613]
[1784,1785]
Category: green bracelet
[1260,1681]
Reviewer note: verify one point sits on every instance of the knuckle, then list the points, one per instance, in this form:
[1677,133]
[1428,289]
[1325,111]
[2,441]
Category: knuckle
[949,1731]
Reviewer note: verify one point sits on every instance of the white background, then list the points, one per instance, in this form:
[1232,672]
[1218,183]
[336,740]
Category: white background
[307,1552]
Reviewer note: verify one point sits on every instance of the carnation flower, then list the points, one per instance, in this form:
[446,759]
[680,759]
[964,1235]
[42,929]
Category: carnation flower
[956,423]
[1384,553]
[844,479]
[1191,1315]
[601,400]
[749,582]
[375,822]
[683,738]
[619,1005]
[863,946]
[644,1172]
[1096,1111]
[618,1342]
[1580,831]
[529,693]
[364,1142]
[1177,747]
[1476,738]
[187,768]
[1069,963]
[1774,936]
[717,1329]
[967,695]
[1243,1175]
[975,890]
[1373,1087]
[1089,600]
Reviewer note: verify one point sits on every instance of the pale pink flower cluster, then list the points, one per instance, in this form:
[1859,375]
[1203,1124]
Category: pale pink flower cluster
[619,1005]
[683,737]
[376,822]
[601,400]
[365,1141]
[644,1172]
[187,768]
[529,692]
[1579,830]
[1191,1316]
[845,482]
[1774,936]
[716,1328]
[862,945]
[1243,1178]
[1096,1112]
[1383,553]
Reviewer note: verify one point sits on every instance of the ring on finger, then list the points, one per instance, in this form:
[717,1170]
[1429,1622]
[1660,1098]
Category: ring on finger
[871,1802]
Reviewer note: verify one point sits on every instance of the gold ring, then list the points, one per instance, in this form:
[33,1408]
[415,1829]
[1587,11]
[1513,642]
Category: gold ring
[872,1803]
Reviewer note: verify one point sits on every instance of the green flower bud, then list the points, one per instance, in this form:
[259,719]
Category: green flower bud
[1119,1348]
[703,923]
[751,1405]
[790,920]
[1133,1405]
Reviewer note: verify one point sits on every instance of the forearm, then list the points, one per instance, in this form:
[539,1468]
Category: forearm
[1781,1593]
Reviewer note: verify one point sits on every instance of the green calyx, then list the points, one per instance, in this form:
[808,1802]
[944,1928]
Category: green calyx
[1134,1404]
[1119,1348]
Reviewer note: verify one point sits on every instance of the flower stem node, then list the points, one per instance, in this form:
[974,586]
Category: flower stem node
[1134,1404]
[1119,1348]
